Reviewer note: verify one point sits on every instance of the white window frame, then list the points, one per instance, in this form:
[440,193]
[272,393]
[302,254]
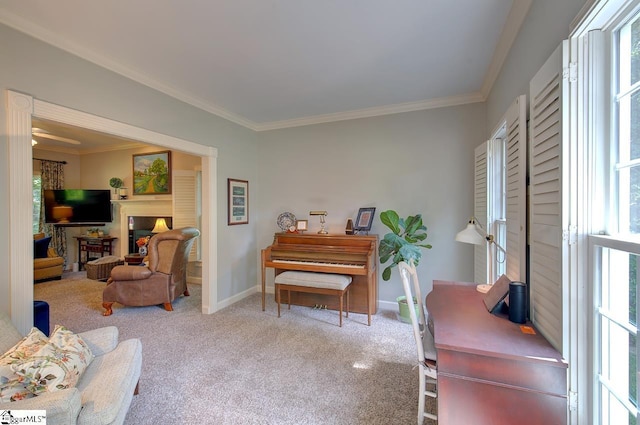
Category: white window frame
[601,249]
[500,197]
[497,200]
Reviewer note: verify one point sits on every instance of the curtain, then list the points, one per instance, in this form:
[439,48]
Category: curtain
[52,175]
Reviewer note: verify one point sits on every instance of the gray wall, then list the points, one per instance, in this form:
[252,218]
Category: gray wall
[50,74]
[417,162]
[544,28]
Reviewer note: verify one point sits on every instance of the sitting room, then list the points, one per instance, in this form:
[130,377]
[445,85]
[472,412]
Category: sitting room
[225,117]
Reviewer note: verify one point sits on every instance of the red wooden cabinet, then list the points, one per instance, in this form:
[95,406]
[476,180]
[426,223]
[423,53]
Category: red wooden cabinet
[489,370]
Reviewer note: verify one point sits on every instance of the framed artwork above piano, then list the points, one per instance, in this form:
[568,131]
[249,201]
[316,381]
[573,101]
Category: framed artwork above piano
[364,220]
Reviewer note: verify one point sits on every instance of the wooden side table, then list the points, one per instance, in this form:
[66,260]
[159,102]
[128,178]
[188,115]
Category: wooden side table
[133,259]
[93,245]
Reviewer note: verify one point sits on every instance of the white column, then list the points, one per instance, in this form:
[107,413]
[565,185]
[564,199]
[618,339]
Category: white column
[20,108]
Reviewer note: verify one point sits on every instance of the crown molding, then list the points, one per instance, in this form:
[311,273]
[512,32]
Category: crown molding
[517,14]
[62,43]
[374,112]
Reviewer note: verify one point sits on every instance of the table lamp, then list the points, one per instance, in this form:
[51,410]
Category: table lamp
[476,235]
[160,226]
[322,215]
[62,213]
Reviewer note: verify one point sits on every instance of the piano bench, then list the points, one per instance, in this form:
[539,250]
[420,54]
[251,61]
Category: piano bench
[315,283]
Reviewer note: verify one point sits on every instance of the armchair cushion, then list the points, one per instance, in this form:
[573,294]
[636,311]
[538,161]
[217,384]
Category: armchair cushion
[130,273]
[41,247]
[48,265]
[102,340]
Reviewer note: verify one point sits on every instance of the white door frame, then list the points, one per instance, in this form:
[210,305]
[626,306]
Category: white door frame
[20,110]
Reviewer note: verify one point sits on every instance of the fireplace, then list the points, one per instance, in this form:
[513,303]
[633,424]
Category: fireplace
[144,208]
[141,226]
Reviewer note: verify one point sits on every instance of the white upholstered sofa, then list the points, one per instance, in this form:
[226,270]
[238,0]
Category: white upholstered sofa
[103,393]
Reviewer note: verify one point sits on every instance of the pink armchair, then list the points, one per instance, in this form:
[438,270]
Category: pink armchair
[162,281]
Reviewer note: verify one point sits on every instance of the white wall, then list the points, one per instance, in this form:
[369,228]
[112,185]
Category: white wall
[49,74]
[417,162]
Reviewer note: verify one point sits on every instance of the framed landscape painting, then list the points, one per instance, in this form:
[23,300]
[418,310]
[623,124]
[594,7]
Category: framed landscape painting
[238,191]
[152,173]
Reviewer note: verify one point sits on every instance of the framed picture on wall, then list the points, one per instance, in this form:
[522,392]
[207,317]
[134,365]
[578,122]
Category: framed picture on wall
[152,173]
[364,220]
[238,203]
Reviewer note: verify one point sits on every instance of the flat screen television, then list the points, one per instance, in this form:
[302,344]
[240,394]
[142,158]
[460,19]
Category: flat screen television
[70,207]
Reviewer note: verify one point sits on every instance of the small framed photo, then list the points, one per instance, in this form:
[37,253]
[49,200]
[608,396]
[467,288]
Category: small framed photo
[238,203]
[301,225]
[365,219]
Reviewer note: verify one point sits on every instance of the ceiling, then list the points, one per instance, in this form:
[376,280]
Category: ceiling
[268,64]
[58,137]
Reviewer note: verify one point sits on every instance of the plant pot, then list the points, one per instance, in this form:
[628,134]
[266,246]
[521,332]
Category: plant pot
[403,309]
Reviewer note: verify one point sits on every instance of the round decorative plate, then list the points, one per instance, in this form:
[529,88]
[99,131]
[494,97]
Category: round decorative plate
[286,220]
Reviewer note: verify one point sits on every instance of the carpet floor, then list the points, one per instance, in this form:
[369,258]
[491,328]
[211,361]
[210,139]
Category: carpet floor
[241,365]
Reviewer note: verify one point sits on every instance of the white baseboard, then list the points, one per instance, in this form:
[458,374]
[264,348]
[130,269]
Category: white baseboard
[234,299]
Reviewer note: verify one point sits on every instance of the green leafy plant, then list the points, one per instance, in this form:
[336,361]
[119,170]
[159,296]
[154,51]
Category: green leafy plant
[405,243]
[116,182]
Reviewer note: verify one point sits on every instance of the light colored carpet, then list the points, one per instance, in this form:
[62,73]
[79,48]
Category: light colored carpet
[245,366]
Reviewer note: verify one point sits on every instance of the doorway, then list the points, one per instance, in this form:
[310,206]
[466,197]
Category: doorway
[21,108]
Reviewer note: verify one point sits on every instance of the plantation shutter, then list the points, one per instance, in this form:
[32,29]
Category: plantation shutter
[516,194]
[548,215]
[480,273]
[185,204]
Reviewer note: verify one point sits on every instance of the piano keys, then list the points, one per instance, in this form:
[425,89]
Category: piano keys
[354,255]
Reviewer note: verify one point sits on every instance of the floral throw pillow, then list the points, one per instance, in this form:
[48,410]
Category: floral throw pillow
[57,365]
[13,387]
[26,347]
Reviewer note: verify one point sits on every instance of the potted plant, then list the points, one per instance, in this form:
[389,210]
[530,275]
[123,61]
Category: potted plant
[404,243]
[116,183]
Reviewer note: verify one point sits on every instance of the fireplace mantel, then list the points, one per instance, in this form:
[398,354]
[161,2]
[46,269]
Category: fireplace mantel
[145,207]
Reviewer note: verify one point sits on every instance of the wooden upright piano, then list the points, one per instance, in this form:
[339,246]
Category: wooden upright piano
[354,255]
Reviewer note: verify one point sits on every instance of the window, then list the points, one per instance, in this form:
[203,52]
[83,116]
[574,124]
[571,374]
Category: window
[37,202]
[616,342]
[497,202]
[616,299]
[616,257]
[500,197]
[628,127]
